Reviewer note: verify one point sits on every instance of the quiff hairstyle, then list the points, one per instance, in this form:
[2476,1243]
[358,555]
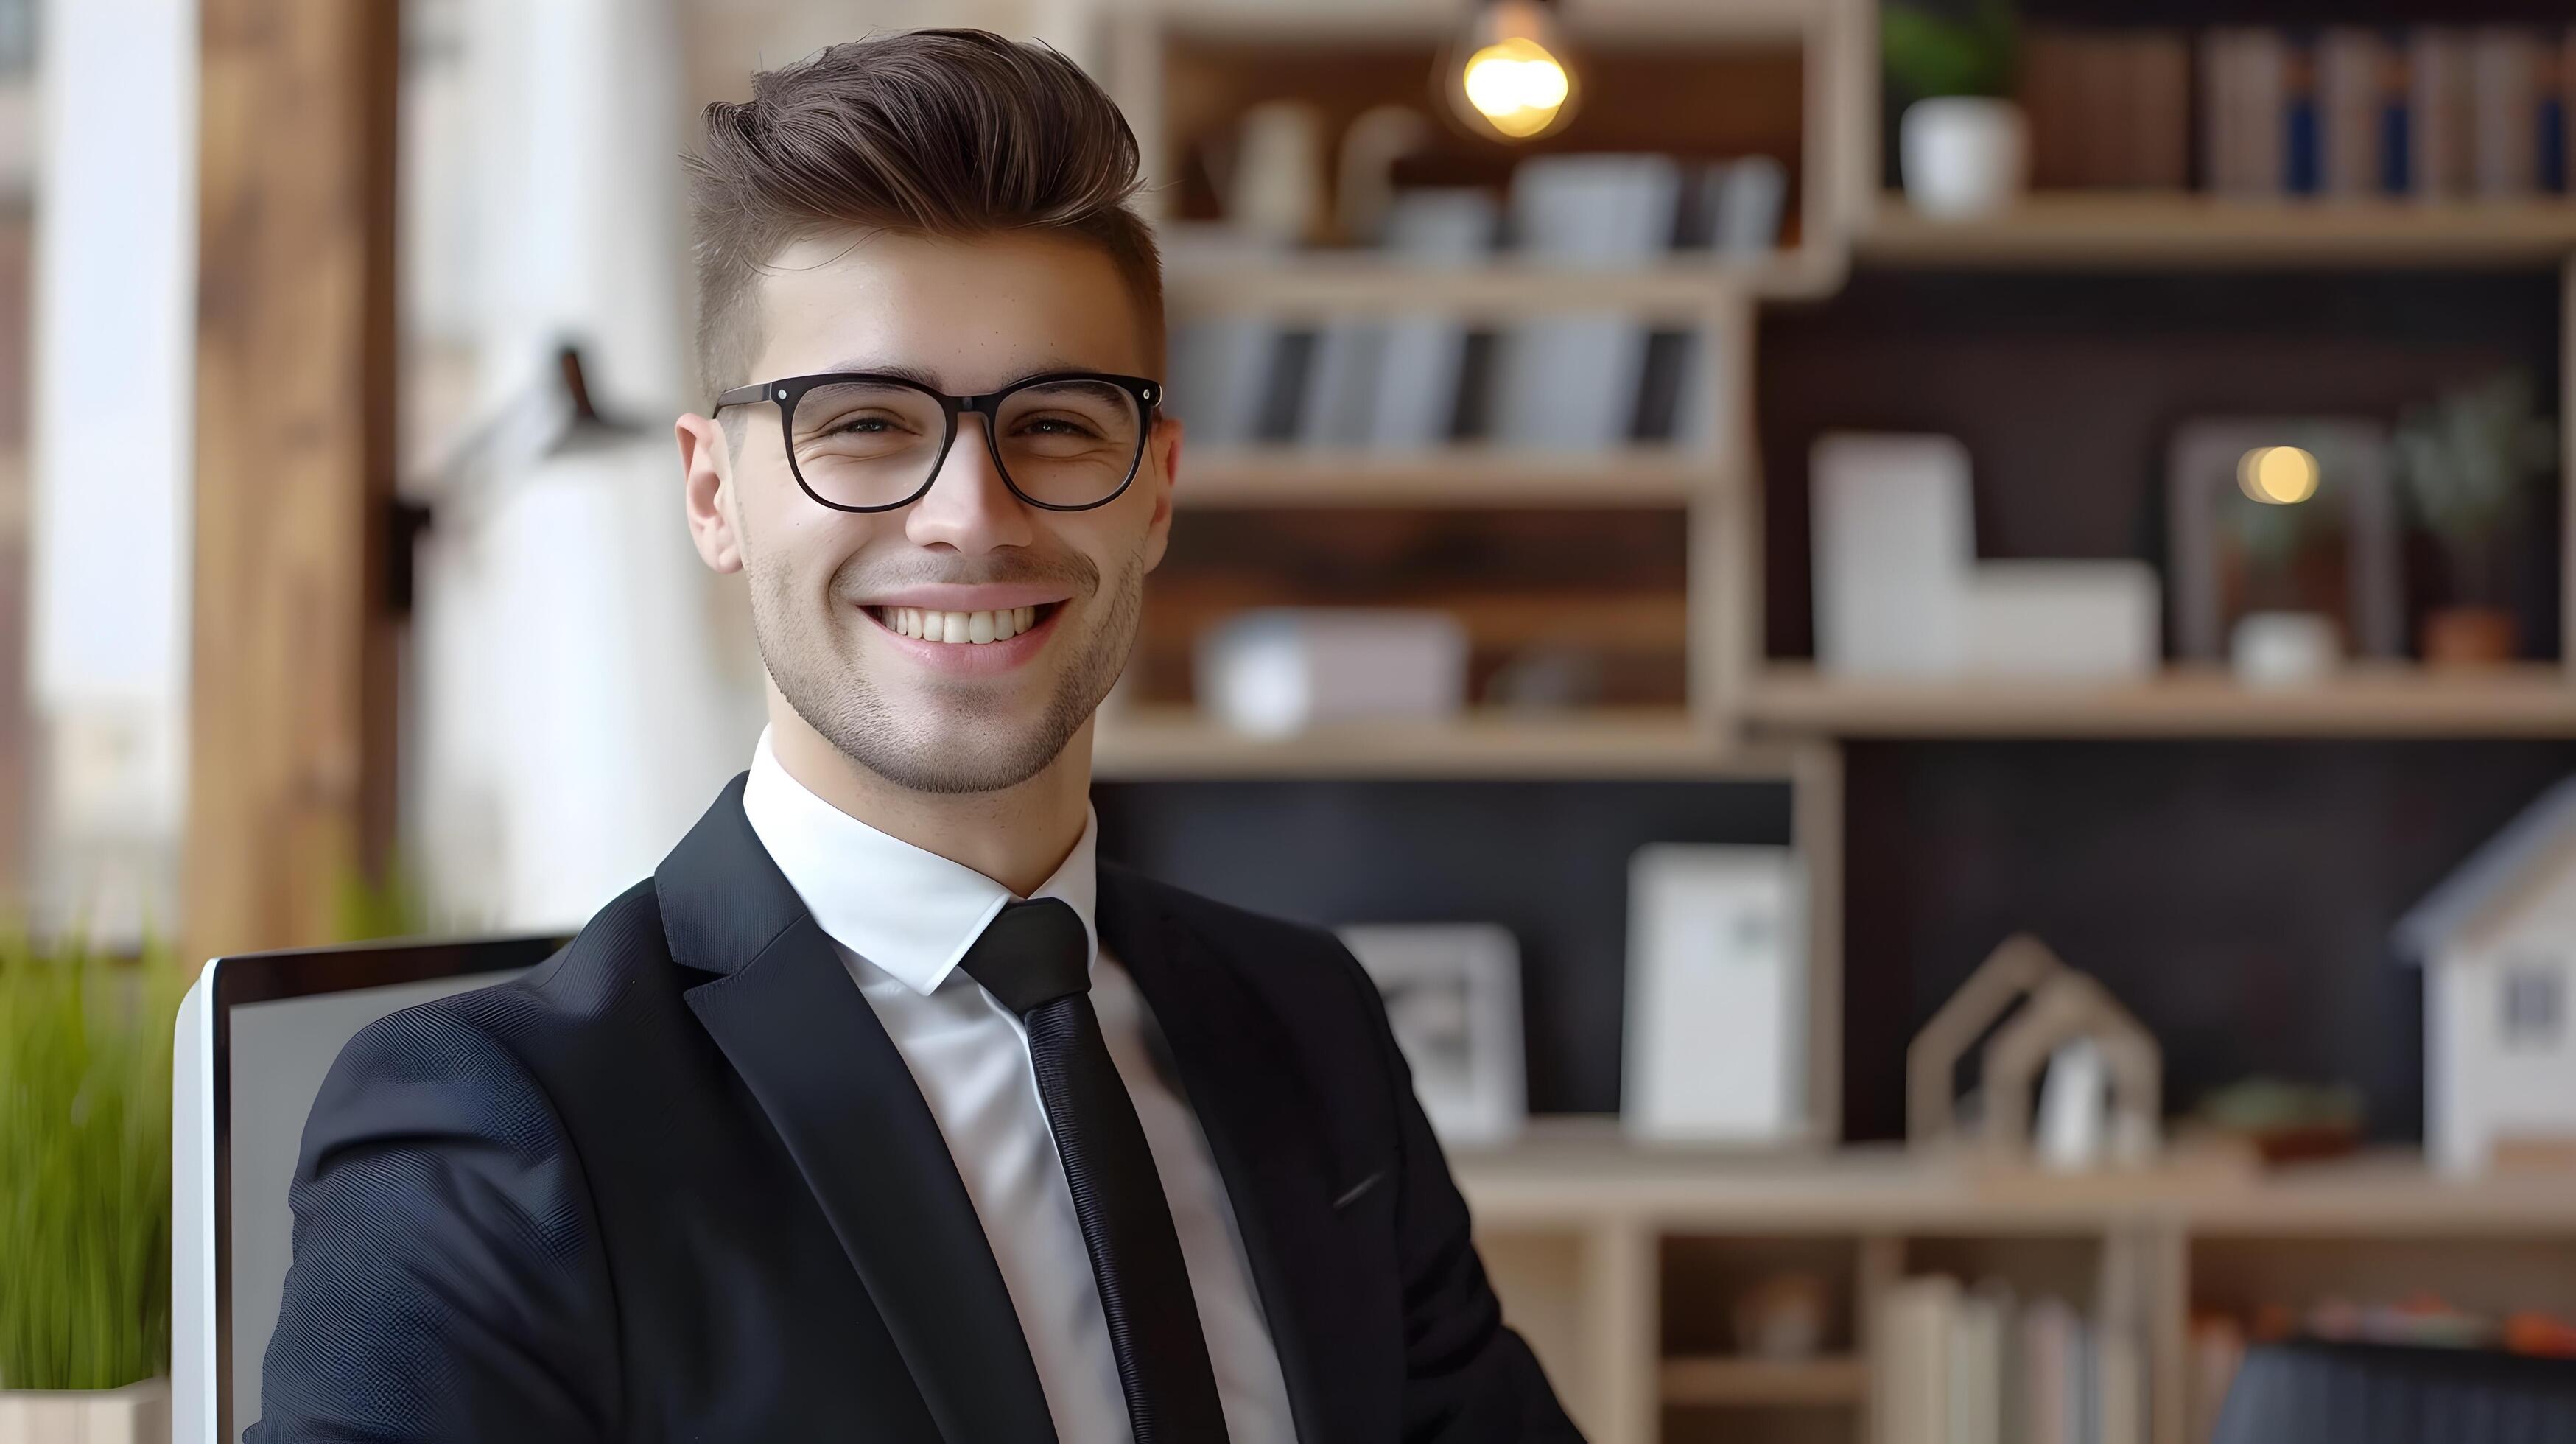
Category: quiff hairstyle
[956,133]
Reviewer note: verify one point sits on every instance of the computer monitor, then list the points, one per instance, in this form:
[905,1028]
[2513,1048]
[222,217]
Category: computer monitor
[257,1034]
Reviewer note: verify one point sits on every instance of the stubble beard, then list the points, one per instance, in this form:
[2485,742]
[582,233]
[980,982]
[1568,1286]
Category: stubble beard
[954,741]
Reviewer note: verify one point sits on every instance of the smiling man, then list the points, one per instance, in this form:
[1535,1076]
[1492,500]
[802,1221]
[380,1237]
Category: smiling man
[884,1111]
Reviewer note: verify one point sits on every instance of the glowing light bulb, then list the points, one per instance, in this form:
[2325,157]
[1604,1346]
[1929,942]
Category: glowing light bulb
[1518,86]
[2277,475]
[1509,76]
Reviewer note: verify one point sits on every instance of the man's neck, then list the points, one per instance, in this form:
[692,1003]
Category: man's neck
[1017,837]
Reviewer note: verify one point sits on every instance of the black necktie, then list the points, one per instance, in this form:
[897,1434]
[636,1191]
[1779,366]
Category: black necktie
[1034,959]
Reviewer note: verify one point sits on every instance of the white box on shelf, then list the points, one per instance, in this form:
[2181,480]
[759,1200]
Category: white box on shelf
[1453,998]
[1716,1012]
[1274,671]
[1894,542]
[2090,619]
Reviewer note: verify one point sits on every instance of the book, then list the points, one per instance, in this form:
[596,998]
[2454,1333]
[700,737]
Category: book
[1421,360]
[2246,133]
[2159,110]
[2301,118]
[1571,382]
[1976,1360]
[2045,1344]
[1911,1386]
[1221,367]
[2504,71]
[2351,69]
[2440,125]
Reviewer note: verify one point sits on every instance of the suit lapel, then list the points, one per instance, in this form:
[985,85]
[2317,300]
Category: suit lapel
[1241,1079]
[811,1050]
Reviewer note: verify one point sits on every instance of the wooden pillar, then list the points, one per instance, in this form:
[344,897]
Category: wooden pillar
[290,765]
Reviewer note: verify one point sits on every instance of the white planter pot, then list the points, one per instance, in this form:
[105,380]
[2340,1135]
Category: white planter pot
[1963,155]
[135,1414]
[2285,649]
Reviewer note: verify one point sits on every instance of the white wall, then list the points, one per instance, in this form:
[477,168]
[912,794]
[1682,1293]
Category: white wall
[575,700]
[113,372]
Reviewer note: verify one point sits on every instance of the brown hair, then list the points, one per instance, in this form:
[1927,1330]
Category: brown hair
[928,132]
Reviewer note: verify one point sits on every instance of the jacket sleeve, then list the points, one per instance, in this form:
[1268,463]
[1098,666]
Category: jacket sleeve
[448,1282]
[1467,1377]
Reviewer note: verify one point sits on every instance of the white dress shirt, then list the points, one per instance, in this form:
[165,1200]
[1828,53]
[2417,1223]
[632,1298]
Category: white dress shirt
[901,918]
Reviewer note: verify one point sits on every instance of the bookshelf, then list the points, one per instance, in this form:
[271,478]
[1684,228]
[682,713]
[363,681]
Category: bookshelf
[2084,230]
[2523,700]
[2193,1234]
[1327,283]
[1145,743]
[1616,1260]
[1456,476]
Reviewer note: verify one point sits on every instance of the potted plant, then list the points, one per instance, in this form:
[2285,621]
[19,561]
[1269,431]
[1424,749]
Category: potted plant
[84,1196]
[1963,146]
[2285,536]
[2466,462]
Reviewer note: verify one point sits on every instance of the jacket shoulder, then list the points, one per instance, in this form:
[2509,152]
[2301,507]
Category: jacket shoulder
[1261,937]
[1302,971]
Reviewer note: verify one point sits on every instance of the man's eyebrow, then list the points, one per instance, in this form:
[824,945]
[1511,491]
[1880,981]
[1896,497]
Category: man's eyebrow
[923,376]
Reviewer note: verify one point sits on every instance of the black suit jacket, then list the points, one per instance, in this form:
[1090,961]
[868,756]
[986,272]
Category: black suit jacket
[678,1184]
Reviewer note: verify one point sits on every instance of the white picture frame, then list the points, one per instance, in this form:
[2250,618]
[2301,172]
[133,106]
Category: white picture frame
[1453,997]
[1717,996]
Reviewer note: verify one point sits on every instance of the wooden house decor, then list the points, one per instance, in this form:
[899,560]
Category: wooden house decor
[2497,941]
[2025,1004]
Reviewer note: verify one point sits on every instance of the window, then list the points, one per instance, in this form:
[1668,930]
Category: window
[2535,1007]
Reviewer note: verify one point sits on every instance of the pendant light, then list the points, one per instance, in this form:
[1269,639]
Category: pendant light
[1509,76]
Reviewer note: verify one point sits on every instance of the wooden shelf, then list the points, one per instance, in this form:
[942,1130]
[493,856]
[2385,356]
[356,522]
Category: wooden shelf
[2082,230]
[1437,21]
[2527,700]
[1465,476]
[1172,743]
[1763,1382]
[1582,1179]
[1327,283]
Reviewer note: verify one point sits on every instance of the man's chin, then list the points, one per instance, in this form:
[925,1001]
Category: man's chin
[966,754]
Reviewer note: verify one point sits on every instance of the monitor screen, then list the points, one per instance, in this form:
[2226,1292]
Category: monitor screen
[278,1022]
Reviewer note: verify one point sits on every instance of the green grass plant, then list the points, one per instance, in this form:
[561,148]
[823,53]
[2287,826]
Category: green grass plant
[84,1166]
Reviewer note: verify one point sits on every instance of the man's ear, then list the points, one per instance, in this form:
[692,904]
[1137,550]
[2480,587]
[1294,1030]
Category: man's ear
[1163,467]
[704,462]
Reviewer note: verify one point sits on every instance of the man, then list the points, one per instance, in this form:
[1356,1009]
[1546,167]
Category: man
[882,1111]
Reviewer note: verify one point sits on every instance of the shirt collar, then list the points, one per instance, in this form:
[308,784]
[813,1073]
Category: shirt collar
[907,911]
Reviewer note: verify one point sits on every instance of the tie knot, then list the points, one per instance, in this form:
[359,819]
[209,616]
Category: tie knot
[1031,954]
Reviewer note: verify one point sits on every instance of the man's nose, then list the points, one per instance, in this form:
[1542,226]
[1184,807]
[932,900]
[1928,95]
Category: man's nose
[968,506]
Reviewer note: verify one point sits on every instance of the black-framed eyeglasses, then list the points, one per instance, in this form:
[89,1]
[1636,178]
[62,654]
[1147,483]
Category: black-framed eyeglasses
[861,441]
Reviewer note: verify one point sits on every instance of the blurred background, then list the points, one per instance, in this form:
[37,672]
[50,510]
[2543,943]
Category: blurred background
[1924,642]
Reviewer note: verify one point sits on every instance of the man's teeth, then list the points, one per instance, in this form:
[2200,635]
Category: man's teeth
[932,626]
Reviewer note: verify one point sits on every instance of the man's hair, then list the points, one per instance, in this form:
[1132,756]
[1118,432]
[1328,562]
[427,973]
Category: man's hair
[928,132]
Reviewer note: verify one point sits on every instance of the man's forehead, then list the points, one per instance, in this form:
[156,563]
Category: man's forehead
[971,312]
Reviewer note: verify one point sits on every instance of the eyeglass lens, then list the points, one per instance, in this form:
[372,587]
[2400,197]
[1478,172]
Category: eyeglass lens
[873,443]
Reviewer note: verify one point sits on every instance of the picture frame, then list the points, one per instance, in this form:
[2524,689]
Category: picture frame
[1715,1041]
[2348,564]
[1453,997]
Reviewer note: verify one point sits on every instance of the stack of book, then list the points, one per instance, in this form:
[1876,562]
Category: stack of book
[2108,108]
[1572,381]
[2432,112]
[1978,1366]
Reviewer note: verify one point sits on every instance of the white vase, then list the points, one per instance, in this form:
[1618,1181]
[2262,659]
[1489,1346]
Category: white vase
[135,1414]
[1964,155]
[2285,649]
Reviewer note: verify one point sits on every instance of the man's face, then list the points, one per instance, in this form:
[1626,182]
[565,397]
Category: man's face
[845,605]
